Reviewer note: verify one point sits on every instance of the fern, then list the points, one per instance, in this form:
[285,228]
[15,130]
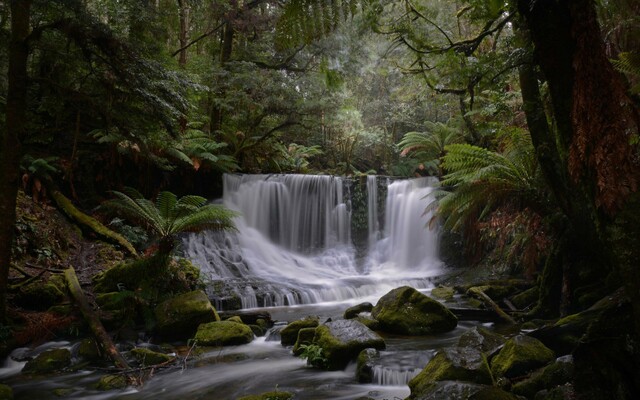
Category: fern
[629,63]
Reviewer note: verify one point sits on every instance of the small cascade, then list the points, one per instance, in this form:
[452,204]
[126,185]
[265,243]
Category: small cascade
[386,376]
[397,368]
[293,243]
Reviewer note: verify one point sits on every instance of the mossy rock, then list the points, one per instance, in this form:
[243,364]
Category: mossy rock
[456,390]
[443,292]
[223,333]
[190,272]
[406,311]
[180,316]
[112,382]
[524,299]
[520,354]
[341,342]
[481,339]
[130,275]
[558,373]
[49,361]
[364,365]
[289,334]
[6,393]
[235,319]
[368,321]
[305,337]
[149,357]
[465,364]
[63,310]
[39,295]
[353,312]
[257,330]
[88,350]
[268,396]
[565,392]
[121,307]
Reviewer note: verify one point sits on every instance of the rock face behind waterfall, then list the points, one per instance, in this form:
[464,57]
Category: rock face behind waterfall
[341,341]
[406,311]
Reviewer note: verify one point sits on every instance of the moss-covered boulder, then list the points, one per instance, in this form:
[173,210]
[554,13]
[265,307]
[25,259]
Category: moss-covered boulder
[481,339]
[520,354]
[257,330]
[558,373]
[341,341]
[149,357]
[118,308]
[353,312]
[289,334]
[364,365]
[453,363]
[223,333]
[456,390]
[180,317]
[39,295]
[367,320]
[443,292]
[6,393]
[112,382]
[526,298]
[129,275]
[235,318]
[268,396]
[49,361]
[406,311]
[305,337]
[88,350]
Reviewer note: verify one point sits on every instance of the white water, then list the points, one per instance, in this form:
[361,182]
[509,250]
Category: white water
[293,241]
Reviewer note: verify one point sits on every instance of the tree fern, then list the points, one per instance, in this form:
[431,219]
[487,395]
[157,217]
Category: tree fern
[629,63]
[170,215]
[429,146]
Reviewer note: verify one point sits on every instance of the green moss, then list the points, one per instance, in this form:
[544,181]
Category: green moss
[6,393]
[364,363]
[49,361]
[443,292]
[404,310]
[235,318]
[180,316]
[223,333]
[341,341]
[88,350]
[527,298]
[149,357]
[112,382]
[305,337]
[90,223]
[548,377]
[39,295]
[257,330]
[269,396]
[520,355]
[289,334]
[482,339]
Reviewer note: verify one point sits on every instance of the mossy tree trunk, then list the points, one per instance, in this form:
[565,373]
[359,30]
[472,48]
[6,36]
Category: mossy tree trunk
[12,136]
[585,153]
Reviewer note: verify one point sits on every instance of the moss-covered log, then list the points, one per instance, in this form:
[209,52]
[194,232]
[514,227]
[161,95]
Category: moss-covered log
[88,223]
[92,319]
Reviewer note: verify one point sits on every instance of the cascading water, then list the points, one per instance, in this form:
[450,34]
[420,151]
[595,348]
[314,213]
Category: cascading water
[293,242]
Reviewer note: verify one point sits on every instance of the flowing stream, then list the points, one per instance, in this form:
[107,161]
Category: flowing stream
[298,251]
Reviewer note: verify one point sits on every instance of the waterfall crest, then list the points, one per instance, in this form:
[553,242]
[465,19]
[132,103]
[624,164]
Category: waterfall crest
[293,243]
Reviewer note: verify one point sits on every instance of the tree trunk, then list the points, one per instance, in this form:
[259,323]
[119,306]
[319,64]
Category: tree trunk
[10,151]
[183,9]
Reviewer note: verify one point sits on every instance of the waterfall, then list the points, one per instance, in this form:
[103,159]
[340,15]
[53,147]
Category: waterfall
[293,242]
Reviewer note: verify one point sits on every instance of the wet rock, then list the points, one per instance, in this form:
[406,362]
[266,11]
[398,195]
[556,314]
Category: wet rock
[443,292]
[112,382]
[120,307]
[353,312]
[269,396]
[564,392]
[88,350]
[465,364]
[558,373]
[39,295]
[257,330]
[341,341]
[406,311]
[289,334]
[367,320]
[481,339]
[525,299]
[235,319]
[6,393]
[364,367]
[455,390]
[148,357]
[48,361]
[305,337]
[260,318]
[223,333]
[520,355]
[180,316]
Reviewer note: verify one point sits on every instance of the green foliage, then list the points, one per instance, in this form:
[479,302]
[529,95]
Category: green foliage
[629,63]
[429,147]
[134,234]
[314,355]
[168,215]
[41,168]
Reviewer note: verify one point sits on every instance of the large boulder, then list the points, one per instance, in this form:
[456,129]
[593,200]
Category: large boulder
[39,295]
[364,365]
[466,364]
[406,311]
[558,373]
[482,339]
[180,316]
[341,341]
[289,334]
[520,355]
[48,361]
[455,390]
[223,333]
[148,357]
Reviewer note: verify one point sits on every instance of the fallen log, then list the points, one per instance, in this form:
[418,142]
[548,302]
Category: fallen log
[478,293]
[101,335]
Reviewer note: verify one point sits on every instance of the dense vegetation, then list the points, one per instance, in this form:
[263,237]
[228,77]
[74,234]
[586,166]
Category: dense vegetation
[527,111]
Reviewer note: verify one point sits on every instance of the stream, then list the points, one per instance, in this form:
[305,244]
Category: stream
[304,245]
